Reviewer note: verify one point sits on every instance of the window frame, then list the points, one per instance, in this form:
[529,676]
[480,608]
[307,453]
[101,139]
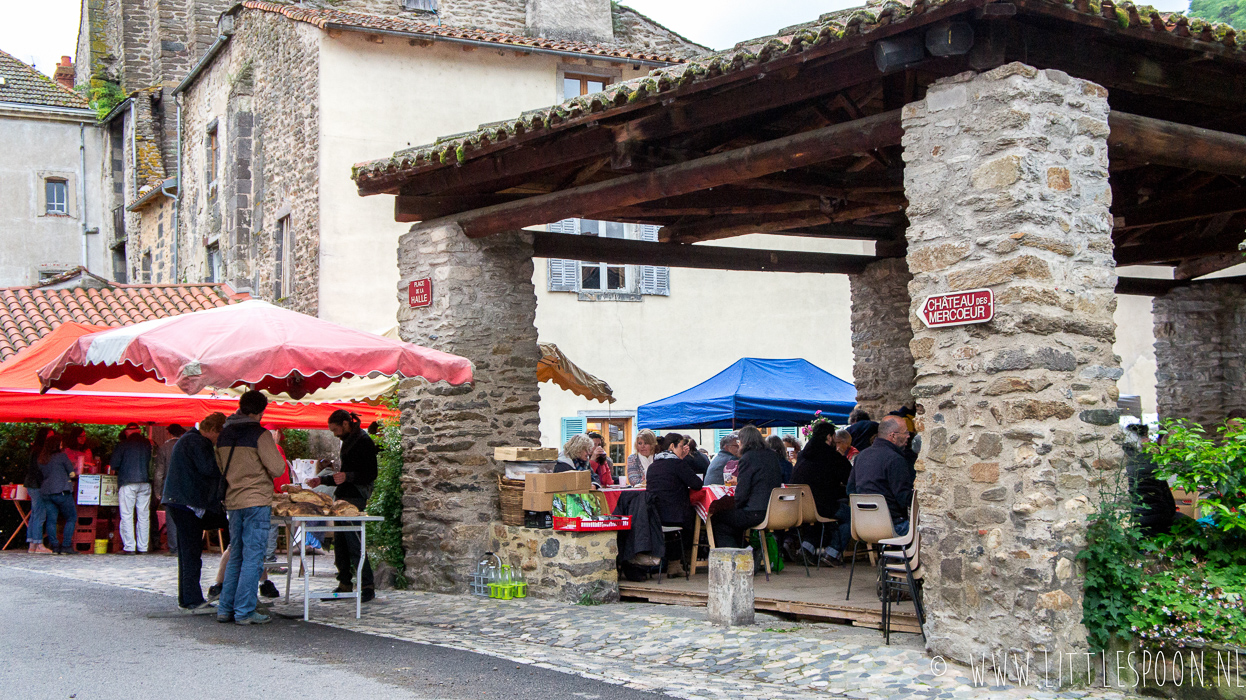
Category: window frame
[626,442]
[212,157]
[607,74]
[283,283]
[49,184]
[213,263]
[43,179]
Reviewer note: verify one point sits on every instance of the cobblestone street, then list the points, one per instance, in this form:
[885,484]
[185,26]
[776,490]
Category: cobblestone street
[667,649]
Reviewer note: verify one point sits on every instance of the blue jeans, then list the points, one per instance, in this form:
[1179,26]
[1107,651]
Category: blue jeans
[62,504]
[901,528]
[248,537]
[34,526]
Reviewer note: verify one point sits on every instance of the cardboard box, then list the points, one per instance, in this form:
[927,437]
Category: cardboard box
[541,502]
[525,454]
[563,482]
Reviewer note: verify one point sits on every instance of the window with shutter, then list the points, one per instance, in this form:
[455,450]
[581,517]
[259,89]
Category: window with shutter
[719,434]
[564,275]
[571,426]
[654,279]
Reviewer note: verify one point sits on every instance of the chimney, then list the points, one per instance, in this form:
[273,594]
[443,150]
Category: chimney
[589,21]
[64,73]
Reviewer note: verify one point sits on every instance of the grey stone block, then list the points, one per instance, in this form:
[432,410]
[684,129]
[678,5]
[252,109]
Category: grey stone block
[731,587]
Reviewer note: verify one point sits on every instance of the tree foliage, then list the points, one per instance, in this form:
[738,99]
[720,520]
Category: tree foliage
[1231,12]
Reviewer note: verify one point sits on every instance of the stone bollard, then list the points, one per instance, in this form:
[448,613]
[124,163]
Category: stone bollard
[731,587]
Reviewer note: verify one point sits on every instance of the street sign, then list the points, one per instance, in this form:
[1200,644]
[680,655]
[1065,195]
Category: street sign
[957,308]
[420,293]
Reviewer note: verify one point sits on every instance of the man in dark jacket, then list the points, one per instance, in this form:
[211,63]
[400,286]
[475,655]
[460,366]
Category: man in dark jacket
[826,472]
[669,483]
[882,469]
[131,460]
[191,485]
[354,485]
[760,472]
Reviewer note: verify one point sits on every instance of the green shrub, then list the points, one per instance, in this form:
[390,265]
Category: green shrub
[1112,558]
[1214,467]
[294,442]
[385,538]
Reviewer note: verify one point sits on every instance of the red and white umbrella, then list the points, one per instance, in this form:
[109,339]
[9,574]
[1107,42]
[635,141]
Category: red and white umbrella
[252,344]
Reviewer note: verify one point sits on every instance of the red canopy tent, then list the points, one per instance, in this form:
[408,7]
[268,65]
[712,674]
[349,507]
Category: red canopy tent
[124,400]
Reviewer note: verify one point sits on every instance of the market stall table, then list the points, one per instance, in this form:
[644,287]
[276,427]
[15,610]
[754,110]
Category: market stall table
[16,495]
[303,524]
[707,501]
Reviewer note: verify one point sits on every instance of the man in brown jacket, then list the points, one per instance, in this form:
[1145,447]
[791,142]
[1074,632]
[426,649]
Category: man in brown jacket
[249,459]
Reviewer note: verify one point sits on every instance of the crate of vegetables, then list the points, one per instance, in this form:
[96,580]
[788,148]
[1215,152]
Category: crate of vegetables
[586,512]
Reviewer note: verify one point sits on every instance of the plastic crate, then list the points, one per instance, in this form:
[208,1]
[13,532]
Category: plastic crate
[597,523]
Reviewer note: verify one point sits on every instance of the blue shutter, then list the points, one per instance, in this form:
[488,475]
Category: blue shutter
[719,434]
[564,275]
[783,432]
[653,279]
[572,426]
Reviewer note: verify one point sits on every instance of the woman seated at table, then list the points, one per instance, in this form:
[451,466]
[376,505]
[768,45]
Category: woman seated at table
[574,457]
[670,483]
[760,472]
[638,462]
[825,470]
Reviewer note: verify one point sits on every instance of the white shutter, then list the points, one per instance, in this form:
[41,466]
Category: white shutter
[564,275]
[653,279]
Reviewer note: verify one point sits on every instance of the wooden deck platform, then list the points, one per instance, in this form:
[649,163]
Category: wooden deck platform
[816,597]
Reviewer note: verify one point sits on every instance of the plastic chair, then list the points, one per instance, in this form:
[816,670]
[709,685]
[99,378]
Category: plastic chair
[667,531]
[871,522]
[783,512]
[809,515]
[900,569]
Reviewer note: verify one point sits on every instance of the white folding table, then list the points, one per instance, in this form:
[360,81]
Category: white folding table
[303,524]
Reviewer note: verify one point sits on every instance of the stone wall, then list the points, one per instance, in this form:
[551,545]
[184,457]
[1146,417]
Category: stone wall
[1200,333]
[563,566]
[498,15]
[635,30]
[483,308]
[261,93]
[882,363]
[1007,182]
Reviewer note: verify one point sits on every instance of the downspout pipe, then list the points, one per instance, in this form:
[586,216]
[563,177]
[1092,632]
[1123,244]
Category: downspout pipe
[82,189]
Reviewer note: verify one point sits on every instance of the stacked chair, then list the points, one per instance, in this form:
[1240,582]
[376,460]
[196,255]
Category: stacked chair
[871,523]
[900,570]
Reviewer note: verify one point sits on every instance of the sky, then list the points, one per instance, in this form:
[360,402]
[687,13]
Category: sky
[41,31]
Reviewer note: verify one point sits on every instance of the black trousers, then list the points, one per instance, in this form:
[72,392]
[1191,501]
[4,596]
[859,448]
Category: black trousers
[189,555]
[346,556]
[729,526]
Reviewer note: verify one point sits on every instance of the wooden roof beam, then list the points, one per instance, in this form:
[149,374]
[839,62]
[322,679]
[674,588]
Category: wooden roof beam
[1142,140]
[628,252]
[795,151]
[1200,205]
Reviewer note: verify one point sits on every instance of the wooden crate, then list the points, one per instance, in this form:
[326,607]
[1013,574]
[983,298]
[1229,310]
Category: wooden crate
[525,454]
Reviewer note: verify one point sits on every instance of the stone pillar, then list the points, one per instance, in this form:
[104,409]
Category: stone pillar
[483,308]
[882,363]
[730,600]
[1007,181]
[1200,366]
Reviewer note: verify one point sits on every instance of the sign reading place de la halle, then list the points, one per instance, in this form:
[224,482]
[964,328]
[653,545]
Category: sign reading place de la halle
[420,293]
[957,308]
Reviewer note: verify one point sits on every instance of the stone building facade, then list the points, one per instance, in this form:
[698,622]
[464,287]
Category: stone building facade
[882,367]
[1200,336]
[1007,181]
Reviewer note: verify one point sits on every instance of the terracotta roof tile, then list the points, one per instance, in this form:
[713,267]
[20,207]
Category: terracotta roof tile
[29,313]
[23,84]
[820,35]
[325,18]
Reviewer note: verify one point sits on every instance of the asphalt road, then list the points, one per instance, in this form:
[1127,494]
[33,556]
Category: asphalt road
[62,639]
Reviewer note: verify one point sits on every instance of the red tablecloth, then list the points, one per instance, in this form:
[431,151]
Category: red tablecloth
[710,498]
[612,496]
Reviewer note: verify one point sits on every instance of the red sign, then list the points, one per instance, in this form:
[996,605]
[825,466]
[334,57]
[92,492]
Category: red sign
[958,308]
[420,293]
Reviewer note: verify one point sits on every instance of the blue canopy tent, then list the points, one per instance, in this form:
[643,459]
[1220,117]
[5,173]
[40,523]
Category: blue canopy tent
[766,393]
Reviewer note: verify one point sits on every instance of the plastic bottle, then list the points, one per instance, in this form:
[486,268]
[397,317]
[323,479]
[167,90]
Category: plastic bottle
[507,589]
[493,580]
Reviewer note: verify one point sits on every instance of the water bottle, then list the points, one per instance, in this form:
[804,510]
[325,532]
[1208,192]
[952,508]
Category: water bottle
[494,579]
[507,587]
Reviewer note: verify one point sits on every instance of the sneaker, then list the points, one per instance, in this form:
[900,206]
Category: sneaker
[793,550]
[675,568]
[214,591]
[368,594]
[224,618]
[201,609]
[268,590]
[253,619]
[829,561]
[344,588]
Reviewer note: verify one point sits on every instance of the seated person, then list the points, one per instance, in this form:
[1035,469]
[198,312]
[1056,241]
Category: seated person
[1156,508]
[825,470]
[638,462]
[697,459]
[882,469]
[843,443]
[600,462]
[760,472]
[670,483]
[574,457]
[728,449]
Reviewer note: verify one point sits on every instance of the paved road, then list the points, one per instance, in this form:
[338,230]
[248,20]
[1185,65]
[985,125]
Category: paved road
[66,639]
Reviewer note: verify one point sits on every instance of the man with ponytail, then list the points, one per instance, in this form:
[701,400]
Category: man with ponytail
[354,485]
